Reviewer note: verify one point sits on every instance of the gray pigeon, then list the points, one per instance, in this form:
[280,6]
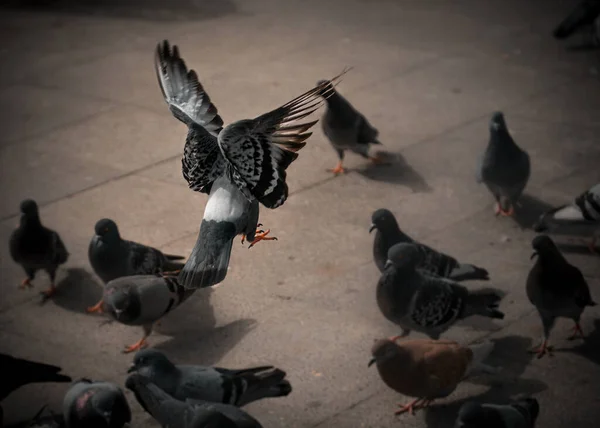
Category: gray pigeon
[239,166]
[172,413]
[582,216]
[346,128]
[504,167]
[428,304]
[113,257]
[433,262]
[36,247]
[89,404]
[556,288]
[520,413]
[143,300]
[215,384]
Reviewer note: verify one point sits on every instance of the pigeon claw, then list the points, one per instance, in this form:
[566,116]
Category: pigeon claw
[262,236]
[97,308]
[257,231]
[419,403]
[500,211]
[339,169]
[140,344]
[25,283]
[49,292]
[577,332]
[542,350]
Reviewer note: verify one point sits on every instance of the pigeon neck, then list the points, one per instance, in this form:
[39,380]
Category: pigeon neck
[31,220]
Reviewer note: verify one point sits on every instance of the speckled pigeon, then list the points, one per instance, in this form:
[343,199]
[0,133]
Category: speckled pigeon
[428,304]
[89,404]
[556,288]
[113,257]
[173,413]
[36,247]
[215,384]
[240,166]
[504,167]
[521,413]
[433,262]
[582,216]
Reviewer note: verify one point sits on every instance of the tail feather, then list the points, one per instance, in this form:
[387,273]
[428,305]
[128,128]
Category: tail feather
[264,385]
[209,261]
[480,352]
[483,302]
[468,272]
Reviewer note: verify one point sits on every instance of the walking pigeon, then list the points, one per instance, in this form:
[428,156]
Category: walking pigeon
[520,413]
[239,166]
[215,384]
[36,247]
[427,369]
[89,404]
[433,262]
[586,15]
[503,167]
[346,128]
[583,215]
[17,372]
[143,300]
[556,288]
[428,304]
[173,413]
[113,257]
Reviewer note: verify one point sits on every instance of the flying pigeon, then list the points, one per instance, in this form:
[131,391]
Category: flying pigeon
[215,384]
[346,128]
[520,413]
[583,215]
[36,247]
[113,257]
[556,288]
[89,404]
[17,372]
[433,262]
[239,166]
[504,167]
[143,300]
[173,413]
[428,304]
[586,15]
[427,369]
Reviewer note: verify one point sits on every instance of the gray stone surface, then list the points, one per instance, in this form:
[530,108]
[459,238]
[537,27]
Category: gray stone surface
[86,133]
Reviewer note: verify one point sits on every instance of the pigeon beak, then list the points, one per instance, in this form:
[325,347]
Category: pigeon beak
[533,255]
[373,361]
[387,264]
[132,369]
[372,228]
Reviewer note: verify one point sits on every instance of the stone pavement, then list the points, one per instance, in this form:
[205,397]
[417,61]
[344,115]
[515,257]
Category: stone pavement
[87,134]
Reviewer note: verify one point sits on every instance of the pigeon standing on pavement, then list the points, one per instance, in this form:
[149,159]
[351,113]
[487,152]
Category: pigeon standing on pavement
[215,384]
[113,257]
[346,128]
[586,15]
[36,247]
[583,215]
[240,166]
[433,262]
[504,167]
[89,404]
[143,300]
[173,413]
[427,369]
[424,303]
[521,413]
[556,288]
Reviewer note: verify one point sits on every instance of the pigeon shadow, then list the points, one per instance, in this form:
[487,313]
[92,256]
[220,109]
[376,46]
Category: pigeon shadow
[590,346]
[395,170]
[78,290]
[586,46]
[195,317]
[528,211]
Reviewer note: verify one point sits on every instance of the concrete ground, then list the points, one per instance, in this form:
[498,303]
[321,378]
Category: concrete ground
[87,134]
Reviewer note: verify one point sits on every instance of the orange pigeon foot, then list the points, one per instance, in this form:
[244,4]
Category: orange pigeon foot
[377,159]
[500,211]
[339,169]
[96,308]
[542,350]
[171,272]
[25,283]
[258,230]
[577,332]
[140,344]
[49,292]
[419,403]
[262,236]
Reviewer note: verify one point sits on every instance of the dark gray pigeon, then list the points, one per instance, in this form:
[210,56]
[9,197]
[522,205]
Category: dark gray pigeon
[113,257]
[17,372]
[36,247]
[89,404]
[346,128]
[580,217]
[520,413]
[172,413]
[428,304]
[433,262]
[585,16]
[239,166]
[504,167]
[556,288]
[214,384]
[143,300]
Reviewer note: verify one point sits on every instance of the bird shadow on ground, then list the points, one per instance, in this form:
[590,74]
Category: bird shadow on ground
[504,386]
[528,211]
[395,170]
[78,290]
[589,347]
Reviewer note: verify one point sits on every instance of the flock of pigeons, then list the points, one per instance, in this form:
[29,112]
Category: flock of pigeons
[241,166]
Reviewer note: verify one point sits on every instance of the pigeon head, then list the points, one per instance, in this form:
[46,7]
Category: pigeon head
[403,255]
[123,302]
[383,220]
[470,415]
[29,208]
[107,230]
[110,409]
[384,350]
[497,122]
[152,360]
[544,246]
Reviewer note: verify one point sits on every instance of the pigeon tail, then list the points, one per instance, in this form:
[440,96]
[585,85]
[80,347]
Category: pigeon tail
[483,302]
[265,385]
[480,352]
[464,272]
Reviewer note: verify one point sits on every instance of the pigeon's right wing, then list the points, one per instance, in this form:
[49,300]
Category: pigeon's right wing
[144,260]
[59,250]
[436,303]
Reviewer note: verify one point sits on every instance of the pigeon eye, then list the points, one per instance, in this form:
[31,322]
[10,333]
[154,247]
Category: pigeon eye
[106,229]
